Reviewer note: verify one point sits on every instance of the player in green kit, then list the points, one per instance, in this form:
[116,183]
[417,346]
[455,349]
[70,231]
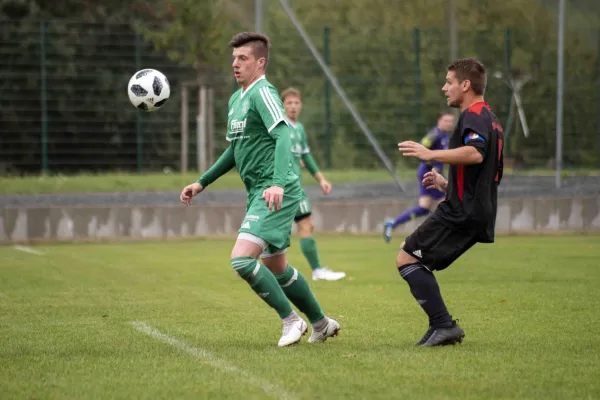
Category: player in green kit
[259,146]
[292,104]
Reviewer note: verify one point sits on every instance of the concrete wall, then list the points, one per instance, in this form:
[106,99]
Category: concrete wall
[580,214]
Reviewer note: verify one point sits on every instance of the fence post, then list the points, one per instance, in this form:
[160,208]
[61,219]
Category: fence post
[598,103]
[138,118]
[210,121]
[183,165]
[201,129]
[417,79]
[560,72]
[327,95]
[43,98]
[509,93]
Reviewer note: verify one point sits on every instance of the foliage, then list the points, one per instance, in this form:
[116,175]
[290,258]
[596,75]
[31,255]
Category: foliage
[395,81]
[391,61]
[190,32]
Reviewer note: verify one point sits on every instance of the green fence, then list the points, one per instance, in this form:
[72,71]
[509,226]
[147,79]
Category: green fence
[64,106]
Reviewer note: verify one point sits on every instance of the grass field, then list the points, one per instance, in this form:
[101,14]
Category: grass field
[156,182]
[171,320]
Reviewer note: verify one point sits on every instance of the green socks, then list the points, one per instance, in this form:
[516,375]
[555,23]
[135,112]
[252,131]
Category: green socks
[273,288]
[309,249]
[297,290]
[263,283]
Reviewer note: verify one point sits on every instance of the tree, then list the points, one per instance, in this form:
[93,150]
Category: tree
[373,54]
[191,32]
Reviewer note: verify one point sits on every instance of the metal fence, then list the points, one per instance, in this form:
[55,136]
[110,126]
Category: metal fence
[64,106]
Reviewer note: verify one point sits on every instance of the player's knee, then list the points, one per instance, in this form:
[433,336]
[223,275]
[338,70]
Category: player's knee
[403,258]
[246,267]
[310,228]
[305,227]
[426,203]
[287,277]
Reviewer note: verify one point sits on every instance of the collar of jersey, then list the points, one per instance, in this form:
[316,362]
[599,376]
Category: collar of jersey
[260,78]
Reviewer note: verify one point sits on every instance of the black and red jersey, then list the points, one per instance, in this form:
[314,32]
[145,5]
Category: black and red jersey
[472,196]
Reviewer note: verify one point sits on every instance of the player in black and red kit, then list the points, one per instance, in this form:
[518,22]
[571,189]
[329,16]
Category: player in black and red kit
[468,214]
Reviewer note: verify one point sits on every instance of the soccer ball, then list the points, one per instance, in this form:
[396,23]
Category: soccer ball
[148,89]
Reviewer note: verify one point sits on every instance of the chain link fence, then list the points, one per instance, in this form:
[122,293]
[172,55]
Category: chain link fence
[64,106]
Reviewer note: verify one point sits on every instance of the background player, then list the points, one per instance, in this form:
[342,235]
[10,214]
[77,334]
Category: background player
[436,139]
[468,214]
[292,103]
[260,149]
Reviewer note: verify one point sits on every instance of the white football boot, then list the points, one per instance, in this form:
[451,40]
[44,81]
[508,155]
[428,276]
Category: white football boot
[325,274]
[293,330]
[330,329]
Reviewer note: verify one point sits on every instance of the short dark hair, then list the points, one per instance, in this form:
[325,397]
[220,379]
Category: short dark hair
[290,92]
[472,70]
[260,44]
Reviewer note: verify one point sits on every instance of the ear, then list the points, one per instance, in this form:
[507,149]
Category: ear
[466,85]
[262,61]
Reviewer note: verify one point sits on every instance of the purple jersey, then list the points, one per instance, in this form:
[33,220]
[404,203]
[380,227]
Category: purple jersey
[436,139]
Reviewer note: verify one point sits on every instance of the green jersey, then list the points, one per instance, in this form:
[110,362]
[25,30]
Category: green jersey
[299,147]
[253,114]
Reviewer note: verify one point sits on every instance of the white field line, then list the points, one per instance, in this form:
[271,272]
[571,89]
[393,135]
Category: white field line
[28,250]
[210,358]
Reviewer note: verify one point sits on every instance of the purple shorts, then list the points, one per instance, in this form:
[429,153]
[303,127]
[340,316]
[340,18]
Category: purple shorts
[433,193]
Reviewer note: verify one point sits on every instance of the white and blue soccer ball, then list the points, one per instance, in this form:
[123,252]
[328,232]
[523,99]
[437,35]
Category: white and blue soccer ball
[148,89]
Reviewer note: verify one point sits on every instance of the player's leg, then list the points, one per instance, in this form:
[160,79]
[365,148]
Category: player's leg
[423,207]
[298,291]
[431,247]
[308,245]
[277,231]
[244,259]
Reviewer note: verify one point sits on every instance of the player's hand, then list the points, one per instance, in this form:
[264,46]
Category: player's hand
[325,186]
[273,198]
[190,191]
[414,149]
[434,180]
[302,164]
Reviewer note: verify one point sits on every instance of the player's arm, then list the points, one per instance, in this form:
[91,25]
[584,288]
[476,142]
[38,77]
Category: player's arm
[465,155]
[474,136]
[269,106]
[475,139]
[311,166]
[309,162]
[223,165]
[429,139]
[283,155]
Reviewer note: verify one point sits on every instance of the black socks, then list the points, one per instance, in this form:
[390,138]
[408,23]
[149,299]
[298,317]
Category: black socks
[425,289]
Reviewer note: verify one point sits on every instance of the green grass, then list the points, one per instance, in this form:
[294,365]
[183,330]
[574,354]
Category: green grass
[156,182]
[529,306]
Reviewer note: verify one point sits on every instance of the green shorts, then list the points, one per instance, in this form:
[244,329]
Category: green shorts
[304,209]
[274,227]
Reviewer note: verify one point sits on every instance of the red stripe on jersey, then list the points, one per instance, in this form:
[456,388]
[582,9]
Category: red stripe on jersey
[477,107]
[460,180]
[500,142]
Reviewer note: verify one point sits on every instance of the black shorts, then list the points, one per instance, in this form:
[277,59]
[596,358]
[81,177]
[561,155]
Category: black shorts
[436,245]
[299,218]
